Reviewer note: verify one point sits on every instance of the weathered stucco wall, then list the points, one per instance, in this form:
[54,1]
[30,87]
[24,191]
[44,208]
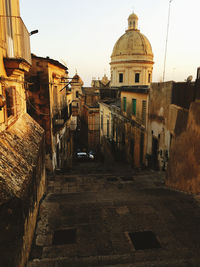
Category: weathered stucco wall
[22,185]
[184,164]
[178,118]
[158,136]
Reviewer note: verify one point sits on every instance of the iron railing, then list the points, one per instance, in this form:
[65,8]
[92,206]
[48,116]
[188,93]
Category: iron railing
[14,38]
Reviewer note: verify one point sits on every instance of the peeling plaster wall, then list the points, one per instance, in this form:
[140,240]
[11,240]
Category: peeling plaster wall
[22,185]
[184,164]
[158,123]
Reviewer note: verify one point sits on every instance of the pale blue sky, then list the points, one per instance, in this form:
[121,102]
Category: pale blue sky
[83,32]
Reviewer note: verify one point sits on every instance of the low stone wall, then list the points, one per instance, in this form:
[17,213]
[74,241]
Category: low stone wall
[183,171]
[22,185]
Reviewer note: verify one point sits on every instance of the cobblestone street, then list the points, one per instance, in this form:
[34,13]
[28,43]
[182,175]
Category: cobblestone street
[89,213]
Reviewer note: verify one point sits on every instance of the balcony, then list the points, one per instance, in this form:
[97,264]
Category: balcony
[15,41]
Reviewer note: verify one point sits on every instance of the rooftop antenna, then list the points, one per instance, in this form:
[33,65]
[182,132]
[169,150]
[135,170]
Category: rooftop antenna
[166,39]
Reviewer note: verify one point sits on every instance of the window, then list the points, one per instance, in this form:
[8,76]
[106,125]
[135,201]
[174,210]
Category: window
[102,122]
[144,106]
[70,109]
[137,78]
[10,101]
[55,96]
[121,77]
[124,104]
[134,106]
[76,94]
[108,126]
[149,78]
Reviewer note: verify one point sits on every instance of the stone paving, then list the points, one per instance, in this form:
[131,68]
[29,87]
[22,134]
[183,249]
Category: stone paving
[102,205]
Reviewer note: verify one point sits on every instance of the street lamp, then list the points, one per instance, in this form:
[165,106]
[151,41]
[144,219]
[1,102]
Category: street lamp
[33,32]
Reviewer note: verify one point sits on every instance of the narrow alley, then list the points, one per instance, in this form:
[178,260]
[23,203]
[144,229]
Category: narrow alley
[101,215]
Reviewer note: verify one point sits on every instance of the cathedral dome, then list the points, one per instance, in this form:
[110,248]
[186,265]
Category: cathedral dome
[132,57]
[133,44]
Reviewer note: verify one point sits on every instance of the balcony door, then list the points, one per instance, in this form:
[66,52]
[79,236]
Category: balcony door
[9,31]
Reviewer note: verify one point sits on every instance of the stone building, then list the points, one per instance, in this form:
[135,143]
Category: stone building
[131,72]
[132,58]
[169,103]
[134,107]
[183,172]
[76,89]
[90,115]
[103,83]
[50,104]
[89,99]
[22,147]
[112,123]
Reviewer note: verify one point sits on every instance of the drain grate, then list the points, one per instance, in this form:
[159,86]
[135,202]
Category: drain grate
[67,236]
[144,240]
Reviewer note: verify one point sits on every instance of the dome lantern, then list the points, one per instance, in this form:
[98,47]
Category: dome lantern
[133,22]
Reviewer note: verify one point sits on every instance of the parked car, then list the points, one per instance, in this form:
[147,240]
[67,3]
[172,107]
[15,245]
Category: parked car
[84,156]
[91,154]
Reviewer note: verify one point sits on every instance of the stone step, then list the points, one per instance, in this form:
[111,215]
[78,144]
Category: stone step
[80,262]
[165,259]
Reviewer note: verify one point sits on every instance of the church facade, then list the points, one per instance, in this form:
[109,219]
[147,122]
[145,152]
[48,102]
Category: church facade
[132,57]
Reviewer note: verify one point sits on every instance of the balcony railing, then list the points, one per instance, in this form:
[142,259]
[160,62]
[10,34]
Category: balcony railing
[14,38]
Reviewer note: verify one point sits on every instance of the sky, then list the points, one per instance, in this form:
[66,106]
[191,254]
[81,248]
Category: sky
[82,33]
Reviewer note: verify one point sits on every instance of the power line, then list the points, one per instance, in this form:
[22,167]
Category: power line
[166,40]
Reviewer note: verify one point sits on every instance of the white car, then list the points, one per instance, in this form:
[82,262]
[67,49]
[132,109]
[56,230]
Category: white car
[84,156]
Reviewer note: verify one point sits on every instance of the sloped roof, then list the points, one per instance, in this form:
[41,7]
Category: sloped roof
[19,148]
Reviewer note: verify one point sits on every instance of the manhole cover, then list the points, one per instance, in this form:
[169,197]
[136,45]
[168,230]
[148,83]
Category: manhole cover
[126,178]
[144,240]
[67,236]
[112,179]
